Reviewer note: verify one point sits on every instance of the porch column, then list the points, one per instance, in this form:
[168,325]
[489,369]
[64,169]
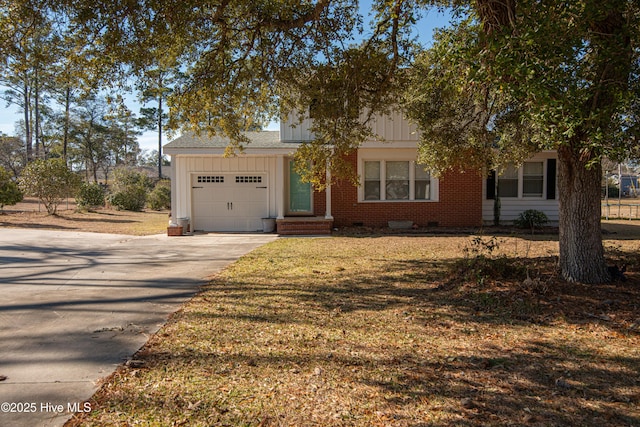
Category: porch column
[327,193]
[280,187]
[174,192]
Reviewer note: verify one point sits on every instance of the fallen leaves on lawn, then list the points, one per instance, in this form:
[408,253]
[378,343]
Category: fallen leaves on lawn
[389,331]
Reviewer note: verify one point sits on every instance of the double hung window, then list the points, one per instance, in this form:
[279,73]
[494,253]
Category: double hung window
[396,180]
[527,181]
[508,182]
[532,179]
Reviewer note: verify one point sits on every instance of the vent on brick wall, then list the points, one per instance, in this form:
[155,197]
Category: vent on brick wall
[248,179]
[210,179]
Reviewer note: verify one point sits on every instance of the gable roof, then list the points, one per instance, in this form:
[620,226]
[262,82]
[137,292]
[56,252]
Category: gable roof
[261,141]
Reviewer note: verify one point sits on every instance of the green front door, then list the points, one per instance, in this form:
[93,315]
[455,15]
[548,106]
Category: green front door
[299,193]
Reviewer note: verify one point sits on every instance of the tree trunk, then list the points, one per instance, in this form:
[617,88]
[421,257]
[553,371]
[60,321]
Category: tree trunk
[27,123]
[67,120]
[581,251]
[160,128]
[36,129]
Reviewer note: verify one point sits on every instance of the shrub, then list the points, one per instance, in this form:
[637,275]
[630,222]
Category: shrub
[129,190]
[10,193]
[50,181]
[90,195]
[480,262]
[160,197]
[613,192]
[532,219]
[133,199]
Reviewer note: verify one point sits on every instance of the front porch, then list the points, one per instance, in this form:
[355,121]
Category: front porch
[305,222]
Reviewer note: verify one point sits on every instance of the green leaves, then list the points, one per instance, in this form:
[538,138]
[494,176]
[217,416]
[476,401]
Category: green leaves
[465,115]
[50,181]
[553,74]
[501,80]
[10,194]
[129,189]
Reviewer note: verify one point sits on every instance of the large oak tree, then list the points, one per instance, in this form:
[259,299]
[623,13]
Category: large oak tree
[517,76]
[508,77]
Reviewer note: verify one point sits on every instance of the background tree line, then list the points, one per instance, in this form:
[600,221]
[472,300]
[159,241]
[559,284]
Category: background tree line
[67,108]
[75,134]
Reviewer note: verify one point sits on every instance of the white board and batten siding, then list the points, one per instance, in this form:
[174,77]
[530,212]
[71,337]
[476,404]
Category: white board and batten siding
[226,194]
[390,128]
[511,207]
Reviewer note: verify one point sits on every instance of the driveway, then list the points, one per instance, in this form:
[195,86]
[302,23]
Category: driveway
[75,305]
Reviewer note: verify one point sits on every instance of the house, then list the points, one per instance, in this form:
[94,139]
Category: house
[234,194]
[629,185]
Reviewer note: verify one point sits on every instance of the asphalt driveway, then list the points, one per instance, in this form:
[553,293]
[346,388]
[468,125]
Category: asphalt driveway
[75,305]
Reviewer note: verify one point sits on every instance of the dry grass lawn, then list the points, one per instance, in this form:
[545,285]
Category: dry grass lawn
[383,330]
[365,329]
[28,214]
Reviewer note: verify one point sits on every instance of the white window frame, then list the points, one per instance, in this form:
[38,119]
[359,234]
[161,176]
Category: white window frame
[521,195]
[402,156]
[543,183]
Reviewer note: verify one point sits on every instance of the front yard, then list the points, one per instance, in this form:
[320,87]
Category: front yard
[392,331]
[29,214]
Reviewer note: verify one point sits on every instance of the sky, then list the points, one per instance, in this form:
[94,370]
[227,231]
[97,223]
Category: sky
[9,115]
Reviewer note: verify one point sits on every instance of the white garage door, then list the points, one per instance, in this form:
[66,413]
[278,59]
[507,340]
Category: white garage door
[229,202]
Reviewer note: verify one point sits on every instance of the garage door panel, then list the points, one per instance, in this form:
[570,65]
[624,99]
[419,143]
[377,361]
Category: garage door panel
[229,202]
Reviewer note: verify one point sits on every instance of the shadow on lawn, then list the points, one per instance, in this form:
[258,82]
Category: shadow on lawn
[537,382]
[489,290]
[100,220]
[62,222]
[545,387]
[484,349]
[44,226]
[539,385]
[611,230]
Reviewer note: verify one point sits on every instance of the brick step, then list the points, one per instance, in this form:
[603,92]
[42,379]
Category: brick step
[303,232]
[303,226]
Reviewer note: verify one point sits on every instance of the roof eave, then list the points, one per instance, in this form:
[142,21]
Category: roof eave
[171,151]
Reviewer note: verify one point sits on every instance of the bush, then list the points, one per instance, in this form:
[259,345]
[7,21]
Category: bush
[50,181]
[613,192]
[480,262]
[90,195]
[532,219]
[160,197]
[10,193]
[133,199]
[129,190]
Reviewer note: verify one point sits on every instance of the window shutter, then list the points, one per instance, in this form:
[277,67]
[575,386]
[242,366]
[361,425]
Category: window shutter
[491,185]
[551,179]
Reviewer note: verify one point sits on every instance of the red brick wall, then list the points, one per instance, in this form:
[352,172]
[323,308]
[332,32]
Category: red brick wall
[459,205]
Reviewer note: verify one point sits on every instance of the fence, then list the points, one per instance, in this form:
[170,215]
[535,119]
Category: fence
[620,210]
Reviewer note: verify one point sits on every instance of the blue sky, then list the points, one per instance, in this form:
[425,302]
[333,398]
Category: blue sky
[432,19]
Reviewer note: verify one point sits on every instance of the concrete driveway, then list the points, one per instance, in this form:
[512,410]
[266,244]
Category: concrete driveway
[75,305]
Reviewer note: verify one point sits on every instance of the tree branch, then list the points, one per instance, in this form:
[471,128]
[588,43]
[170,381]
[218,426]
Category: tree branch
[288,24]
